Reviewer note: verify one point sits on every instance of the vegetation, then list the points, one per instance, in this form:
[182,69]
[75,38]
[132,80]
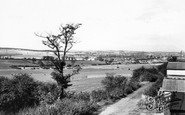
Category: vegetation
[23,95]
[62,107]
[155,75]
[117,87]
[99,95]
[114,86]
[172,59]
[61,43]
[152,91]
[17,93]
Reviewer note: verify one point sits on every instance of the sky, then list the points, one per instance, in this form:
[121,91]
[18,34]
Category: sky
[137,25]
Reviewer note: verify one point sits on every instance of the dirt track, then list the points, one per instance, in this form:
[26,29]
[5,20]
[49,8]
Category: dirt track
[126,106]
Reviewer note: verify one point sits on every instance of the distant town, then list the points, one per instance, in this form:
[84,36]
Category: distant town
[109,57]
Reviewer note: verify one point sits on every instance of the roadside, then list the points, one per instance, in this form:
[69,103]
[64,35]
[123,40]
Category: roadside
[128,105]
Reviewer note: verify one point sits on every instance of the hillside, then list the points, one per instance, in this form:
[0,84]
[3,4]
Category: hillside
[24,53]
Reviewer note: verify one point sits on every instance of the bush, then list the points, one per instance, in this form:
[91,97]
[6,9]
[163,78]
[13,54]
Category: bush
[69,94]
[99,95]
[128,90]
[147,76]
[17,93]
[137,73]
[152,70]
[155,75]
[63,107]
[131,86]
[22,91]
[80,107]
[117,93]
[134,84]
[22,95]
[143,74]
[162,68]
[48,92]
[153,90]
[82,96]
[114,86]
[111,82]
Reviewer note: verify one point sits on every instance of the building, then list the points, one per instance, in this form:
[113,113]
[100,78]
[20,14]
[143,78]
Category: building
[175,83]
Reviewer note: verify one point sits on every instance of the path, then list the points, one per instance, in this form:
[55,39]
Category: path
[126,105]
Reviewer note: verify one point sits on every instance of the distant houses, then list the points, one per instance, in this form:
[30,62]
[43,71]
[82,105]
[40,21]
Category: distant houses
[7,55]
[22,67]
[119,57]
[31,67]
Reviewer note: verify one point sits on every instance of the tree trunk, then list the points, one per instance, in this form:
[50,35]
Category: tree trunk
[62,93]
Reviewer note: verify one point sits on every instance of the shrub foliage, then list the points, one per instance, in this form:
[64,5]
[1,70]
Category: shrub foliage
[112,82]
[63,107]
[17,93]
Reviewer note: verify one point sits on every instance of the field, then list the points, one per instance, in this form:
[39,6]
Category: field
[88,79]
[5,64]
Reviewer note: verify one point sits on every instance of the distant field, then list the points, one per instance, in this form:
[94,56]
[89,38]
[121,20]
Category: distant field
[85,63]
[5,64]
[86,84]
[88,79]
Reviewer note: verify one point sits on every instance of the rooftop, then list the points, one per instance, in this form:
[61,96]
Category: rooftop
[173,85]
[176,66]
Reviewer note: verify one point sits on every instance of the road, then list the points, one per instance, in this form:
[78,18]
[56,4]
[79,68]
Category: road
[128,105]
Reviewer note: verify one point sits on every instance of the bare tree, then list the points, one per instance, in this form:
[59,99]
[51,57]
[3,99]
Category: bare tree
[61,44]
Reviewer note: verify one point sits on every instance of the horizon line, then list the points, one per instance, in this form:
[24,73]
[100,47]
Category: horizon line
[82,50]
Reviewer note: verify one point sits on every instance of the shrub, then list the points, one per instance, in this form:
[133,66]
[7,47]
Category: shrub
[85,96]
[69,107]
[111,82]
[69,94]
[99,95]
[137,73]
[114,86]
[2,81]
[117,93]
[17,93]
[152,70]
[155,75]
[82,96]
[48,92]
[152,91]
[162,68]
[63,107]
[131,86]
[148,76]
[143,74]
[128,90]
